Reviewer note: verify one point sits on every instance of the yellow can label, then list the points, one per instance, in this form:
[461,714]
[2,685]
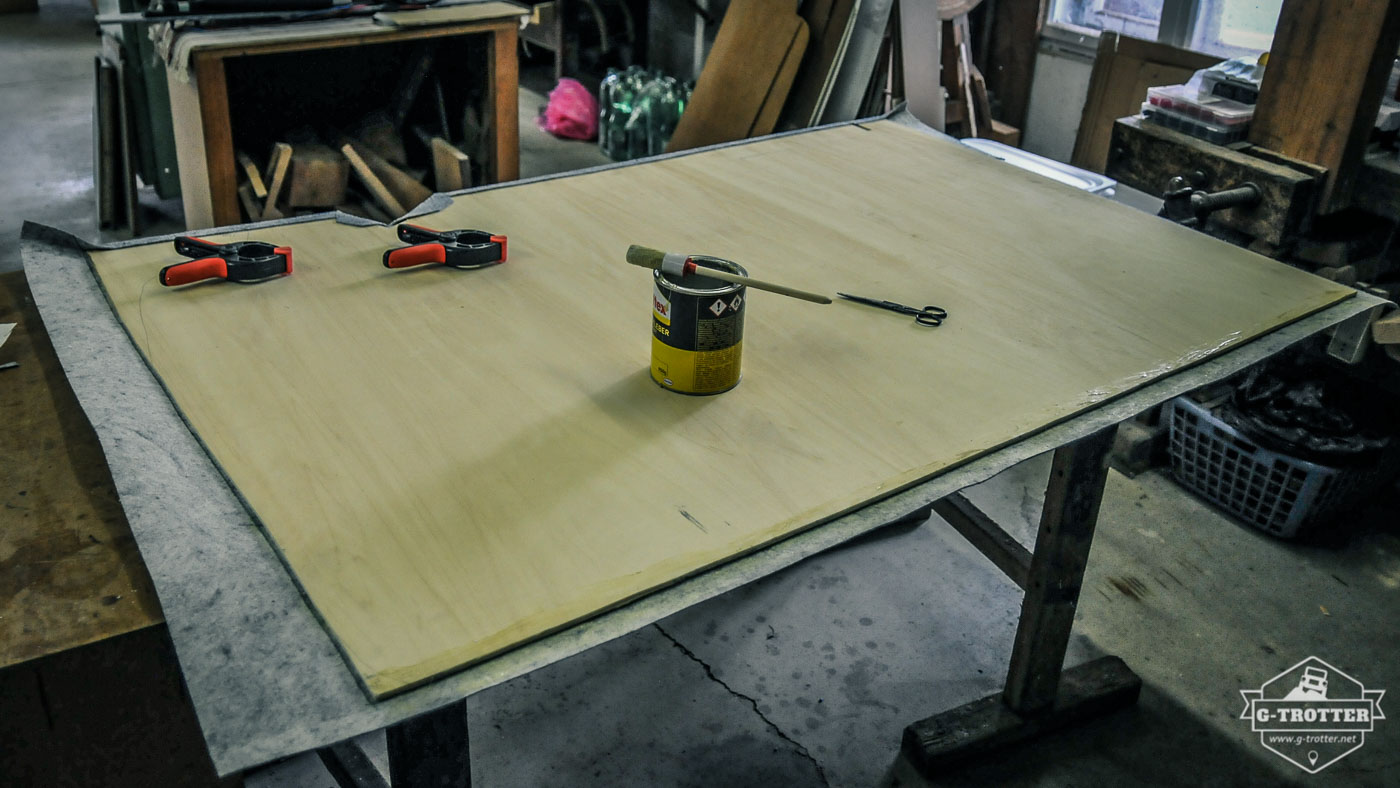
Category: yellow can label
[695,372]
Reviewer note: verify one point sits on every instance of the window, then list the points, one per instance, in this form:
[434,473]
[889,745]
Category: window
[1136,18]
[1234,28]
[1228,28]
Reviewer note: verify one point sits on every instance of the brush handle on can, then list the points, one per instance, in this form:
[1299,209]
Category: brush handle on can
[646,257]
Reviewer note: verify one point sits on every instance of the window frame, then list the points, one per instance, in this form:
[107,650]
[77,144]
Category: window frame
[1177,27]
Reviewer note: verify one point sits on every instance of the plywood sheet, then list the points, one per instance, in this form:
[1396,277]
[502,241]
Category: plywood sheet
[778,91]
[455,462]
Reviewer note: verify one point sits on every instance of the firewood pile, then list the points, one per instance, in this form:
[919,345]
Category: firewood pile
[380,168]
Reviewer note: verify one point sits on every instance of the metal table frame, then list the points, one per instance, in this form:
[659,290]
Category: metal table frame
[267,682]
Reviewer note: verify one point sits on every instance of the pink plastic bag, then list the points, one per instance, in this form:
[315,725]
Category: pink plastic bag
[572,111]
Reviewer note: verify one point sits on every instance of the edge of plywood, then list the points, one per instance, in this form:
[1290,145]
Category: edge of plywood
[383,684]
[387,683]
[246,720]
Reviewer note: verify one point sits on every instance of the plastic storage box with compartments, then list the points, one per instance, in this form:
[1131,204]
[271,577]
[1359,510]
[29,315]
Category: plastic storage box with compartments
[1207,117]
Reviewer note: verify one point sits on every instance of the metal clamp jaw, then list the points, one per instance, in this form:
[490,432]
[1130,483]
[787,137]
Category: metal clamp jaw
[1187,204]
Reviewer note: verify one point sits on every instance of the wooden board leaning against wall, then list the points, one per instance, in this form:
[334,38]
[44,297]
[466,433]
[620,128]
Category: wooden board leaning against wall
[1124,68]
[456,462]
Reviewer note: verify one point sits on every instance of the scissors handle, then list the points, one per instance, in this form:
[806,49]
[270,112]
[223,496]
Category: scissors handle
[930,316]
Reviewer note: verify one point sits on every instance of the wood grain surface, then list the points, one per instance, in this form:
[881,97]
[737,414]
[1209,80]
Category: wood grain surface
[781,86]
[70,573]
[1326,77]
[455,462]
[748,56]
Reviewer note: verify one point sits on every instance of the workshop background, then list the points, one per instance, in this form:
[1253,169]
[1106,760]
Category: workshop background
[1206,578]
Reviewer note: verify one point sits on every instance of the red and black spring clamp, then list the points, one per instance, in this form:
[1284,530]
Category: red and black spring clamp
[455,248]
[243,261]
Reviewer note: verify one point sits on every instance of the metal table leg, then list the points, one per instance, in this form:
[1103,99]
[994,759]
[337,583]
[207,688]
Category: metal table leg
[427,751]
[431,750]
[1038,695]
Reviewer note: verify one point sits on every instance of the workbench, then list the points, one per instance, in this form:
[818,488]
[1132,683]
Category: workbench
[268,681]
[198,73]
[89,686]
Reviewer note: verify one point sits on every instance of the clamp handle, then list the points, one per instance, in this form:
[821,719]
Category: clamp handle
[406,256]
[194,271]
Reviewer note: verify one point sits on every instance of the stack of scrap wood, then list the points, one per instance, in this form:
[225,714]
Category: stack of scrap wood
[364,171]
[379,167]
[1386,333]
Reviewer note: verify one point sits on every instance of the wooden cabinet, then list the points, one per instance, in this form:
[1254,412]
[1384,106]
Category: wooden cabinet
[231,92]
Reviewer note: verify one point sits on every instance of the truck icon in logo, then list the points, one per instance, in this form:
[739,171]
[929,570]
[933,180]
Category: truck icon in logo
[1312,686]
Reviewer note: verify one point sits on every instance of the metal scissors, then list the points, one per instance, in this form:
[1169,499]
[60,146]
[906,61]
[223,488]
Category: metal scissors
[928,316]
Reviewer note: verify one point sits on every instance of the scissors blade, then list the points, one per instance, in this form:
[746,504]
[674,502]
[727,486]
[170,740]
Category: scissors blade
[862,300]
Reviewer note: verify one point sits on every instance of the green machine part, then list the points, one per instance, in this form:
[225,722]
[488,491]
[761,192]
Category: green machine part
[148,106]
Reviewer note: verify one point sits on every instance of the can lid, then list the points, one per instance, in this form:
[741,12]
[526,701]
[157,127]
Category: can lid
[700,284]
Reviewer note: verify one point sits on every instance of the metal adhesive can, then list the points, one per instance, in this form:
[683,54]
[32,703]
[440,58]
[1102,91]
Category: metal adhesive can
[697,329]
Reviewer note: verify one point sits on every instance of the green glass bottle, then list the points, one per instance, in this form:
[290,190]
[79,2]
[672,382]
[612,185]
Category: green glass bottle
[607,112]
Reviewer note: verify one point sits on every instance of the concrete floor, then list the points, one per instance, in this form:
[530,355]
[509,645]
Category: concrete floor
[808,677]
[46,77]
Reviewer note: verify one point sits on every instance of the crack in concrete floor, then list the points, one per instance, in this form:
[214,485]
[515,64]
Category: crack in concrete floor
[753,703]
